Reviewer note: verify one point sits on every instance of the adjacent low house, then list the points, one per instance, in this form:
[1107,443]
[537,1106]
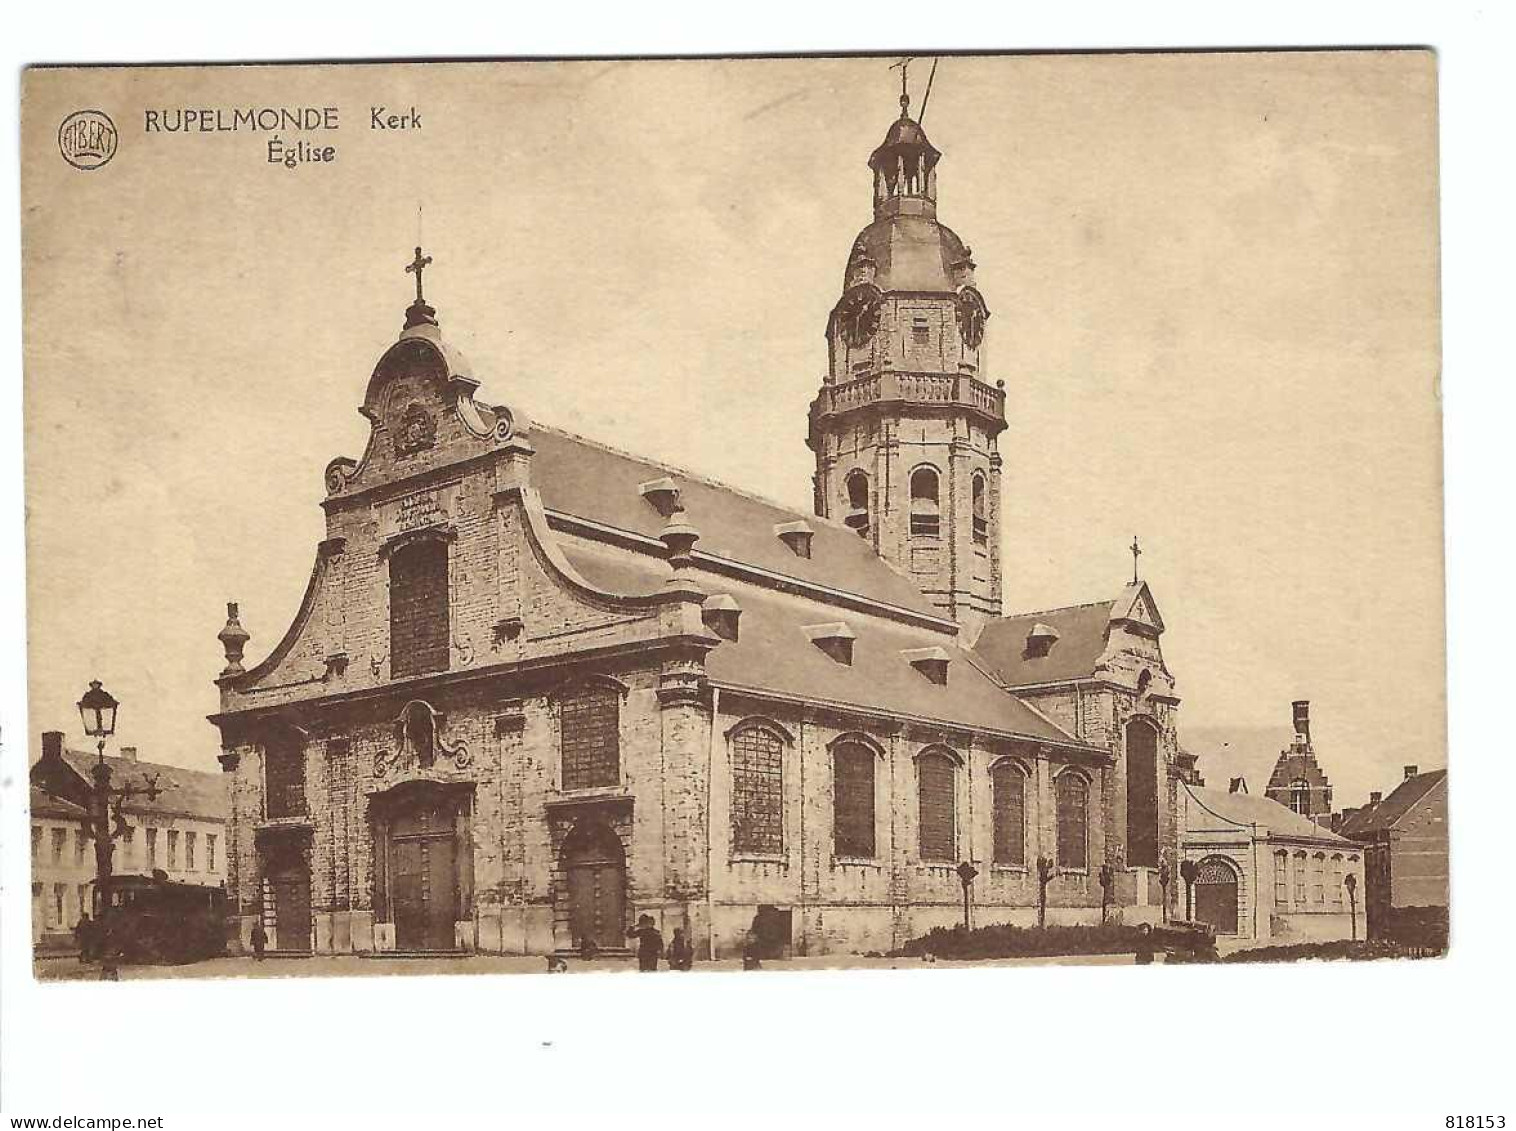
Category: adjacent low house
[1266,874]
[1405,843]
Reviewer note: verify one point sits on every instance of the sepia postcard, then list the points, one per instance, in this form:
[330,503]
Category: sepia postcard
[741,514]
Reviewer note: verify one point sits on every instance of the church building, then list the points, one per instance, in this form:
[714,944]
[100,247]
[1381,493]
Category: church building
[538,687]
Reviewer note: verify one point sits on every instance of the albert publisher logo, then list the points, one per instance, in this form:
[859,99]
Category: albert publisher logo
[87,139]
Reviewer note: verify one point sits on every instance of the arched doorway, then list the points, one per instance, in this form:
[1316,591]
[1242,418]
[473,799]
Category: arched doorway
[1141,794]
[287,898]
[424,871]
[1216,895]
[594,868]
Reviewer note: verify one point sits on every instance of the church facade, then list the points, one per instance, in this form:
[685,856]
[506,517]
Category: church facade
[538,687]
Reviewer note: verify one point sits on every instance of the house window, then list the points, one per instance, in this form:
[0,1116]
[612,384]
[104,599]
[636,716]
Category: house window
[60,898]
[36,843]
[853,800]
[1073,798]
[1300,797]
[210,852]
[283,778]
[1281,879]
[590,740]
[757,791]
[981,513]
[926,517]
[189,852]
[857,517]
[1008,785]
[173,850]
[936,782]
[1337,881]
[80,839]
[152,848]
[1299,863]
[60,838]
[1318,880]
[1141,795]
[83,893]
[419,608]
[128,846]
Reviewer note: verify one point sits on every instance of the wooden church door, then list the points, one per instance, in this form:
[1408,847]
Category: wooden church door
[595,870]
[1216,896]
[423,863]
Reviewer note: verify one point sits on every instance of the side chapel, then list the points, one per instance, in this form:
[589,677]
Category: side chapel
[538,687]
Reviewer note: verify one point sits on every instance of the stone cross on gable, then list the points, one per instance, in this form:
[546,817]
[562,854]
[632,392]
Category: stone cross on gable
[415,267]
[1136,553]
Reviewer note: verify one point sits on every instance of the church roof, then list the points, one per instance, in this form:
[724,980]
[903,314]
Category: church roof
[1081,639]
[774,654]
[1216,810]
[1375,818]
[912,253]
[594,482]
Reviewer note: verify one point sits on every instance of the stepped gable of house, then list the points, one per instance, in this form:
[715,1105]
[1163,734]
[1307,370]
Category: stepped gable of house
[1218,810]
[775,651]
[183,793]
[1376,818]
[593,482]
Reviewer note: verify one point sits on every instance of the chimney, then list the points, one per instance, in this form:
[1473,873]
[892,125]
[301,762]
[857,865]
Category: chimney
[52,744]
[128,752]
[1376,797]
[1302,709]
[1410,771]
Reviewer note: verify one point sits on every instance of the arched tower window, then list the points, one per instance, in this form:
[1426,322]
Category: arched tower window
[589,724]
[1141,794]
[853,800]
[936,786]
[857,484]
[981,513]
[419,608]
[1073,800]
[757,790]
[1008,785]
[926,515]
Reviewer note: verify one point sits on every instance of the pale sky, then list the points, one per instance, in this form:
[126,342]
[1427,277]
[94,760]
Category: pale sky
[1214,303]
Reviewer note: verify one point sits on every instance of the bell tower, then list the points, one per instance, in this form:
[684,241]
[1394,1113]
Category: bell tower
[904,426]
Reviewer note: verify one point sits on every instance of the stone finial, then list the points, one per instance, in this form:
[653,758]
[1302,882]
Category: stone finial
[234,639]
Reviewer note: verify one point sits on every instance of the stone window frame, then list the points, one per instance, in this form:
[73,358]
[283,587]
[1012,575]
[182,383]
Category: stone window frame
[400,546]
[1338,870]
[570,688]
[1318,880]
[1079,774]
[760,724]
[1028,791]
[979,491]
[1143,720]
[1282,879]
[864,742]
[1298,877]
[945,753]
[925,522]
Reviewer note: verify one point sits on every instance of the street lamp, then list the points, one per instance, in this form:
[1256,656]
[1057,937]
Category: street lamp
[1352,885]
[104,820]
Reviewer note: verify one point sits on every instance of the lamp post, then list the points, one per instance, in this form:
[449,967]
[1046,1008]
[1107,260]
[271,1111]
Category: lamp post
[1165,877]
[1188,870]
[966,874]
[104,820]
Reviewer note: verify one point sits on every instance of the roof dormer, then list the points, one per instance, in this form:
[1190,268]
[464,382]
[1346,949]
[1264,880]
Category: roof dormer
[721,614]
[796,535]
[1040,639]
[930,662]
[662,495]
[835,639]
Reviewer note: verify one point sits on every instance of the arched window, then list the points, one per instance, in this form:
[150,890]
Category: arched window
[1336,880]
[1318,879]
[853,800]
[981,513]
[589,739]
[419,608]
[757,790]
[926,514]
[1300,796]
[1073,798]
[936,783]
[857,484]
[1298,862]
[1008,786]
[1141,795]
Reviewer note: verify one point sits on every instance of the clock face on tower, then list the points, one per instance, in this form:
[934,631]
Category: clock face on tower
[857,314]
[972,313]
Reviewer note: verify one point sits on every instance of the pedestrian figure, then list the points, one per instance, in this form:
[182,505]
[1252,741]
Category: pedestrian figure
[260,940]
[587,949]
[751,942]
[1145,945]
[649,943]
[84,936]
[681,953]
